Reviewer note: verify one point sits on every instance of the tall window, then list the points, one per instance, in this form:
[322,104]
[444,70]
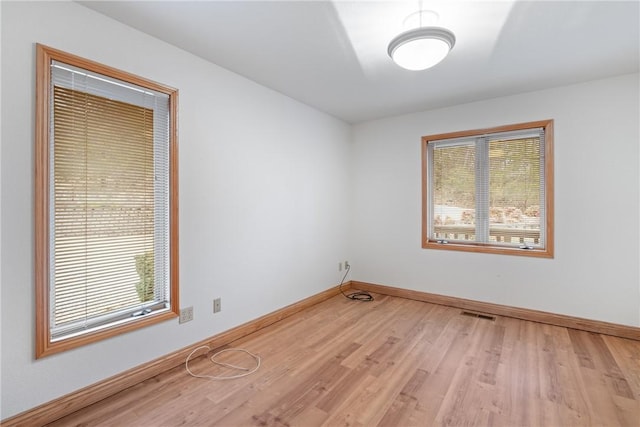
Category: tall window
[490,190]
[106,202]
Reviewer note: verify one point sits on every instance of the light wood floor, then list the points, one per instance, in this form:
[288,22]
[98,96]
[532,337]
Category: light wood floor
[396,362]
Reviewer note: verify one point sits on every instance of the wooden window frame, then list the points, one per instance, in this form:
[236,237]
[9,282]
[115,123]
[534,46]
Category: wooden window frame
[44,344]
[548,250]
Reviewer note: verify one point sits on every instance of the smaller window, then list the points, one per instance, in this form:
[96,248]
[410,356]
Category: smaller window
[490,190]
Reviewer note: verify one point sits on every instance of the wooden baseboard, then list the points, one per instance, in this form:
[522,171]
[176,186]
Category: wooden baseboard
[65,405]
[597,326]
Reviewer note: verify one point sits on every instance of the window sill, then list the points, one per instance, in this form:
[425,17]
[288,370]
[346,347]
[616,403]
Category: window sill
[489,249]
[51,347]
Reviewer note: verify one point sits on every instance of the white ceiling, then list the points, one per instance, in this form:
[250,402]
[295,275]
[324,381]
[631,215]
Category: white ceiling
[333,55]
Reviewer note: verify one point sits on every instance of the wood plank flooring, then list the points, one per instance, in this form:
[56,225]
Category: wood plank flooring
[395,362]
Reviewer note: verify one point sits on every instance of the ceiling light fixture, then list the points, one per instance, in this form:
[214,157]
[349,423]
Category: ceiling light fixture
[421,48]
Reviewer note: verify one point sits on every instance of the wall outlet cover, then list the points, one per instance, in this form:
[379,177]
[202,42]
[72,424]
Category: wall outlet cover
[186,315]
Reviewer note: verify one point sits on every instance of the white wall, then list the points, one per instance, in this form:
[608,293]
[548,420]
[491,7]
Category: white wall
[262,198]
[595,270]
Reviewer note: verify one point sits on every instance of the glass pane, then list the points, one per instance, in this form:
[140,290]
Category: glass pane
[103,205]
[514,191]
[454,192]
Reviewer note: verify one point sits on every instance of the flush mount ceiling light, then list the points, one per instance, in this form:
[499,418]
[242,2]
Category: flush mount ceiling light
[422,47]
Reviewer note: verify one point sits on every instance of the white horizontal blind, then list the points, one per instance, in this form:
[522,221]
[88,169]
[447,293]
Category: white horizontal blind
[516,189]
[453,190]
[109,204]
[488,189]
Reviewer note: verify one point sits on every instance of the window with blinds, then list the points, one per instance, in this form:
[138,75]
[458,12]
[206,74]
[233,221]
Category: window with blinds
[106,202]
[490,190]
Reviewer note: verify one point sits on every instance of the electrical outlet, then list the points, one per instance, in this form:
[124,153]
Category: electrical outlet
[217,305]
[346,264]
[186,315]
[339,266]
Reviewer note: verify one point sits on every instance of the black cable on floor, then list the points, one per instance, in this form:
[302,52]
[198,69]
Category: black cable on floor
[358,295]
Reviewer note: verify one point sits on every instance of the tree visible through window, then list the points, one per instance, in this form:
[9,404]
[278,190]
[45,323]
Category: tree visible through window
[490,190]
[106,202]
